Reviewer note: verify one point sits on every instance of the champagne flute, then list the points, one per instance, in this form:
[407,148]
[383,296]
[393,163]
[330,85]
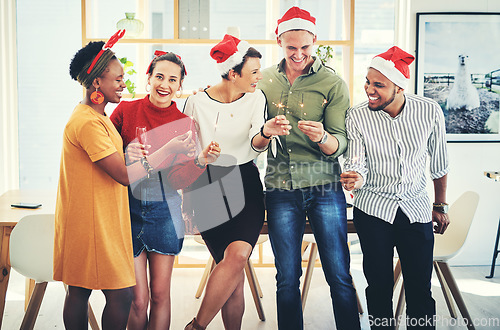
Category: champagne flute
[140,134]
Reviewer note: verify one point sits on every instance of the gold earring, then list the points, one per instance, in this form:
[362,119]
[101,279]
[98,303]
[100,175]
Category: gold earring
[178,96]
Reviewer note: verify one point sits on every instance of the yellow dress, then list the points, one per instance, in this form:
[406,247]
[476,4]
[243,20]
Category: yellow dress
[93,242]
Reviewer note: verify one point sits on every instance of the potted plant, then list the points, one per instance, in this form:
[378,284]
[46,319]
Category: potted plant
[324,53]
[128,68]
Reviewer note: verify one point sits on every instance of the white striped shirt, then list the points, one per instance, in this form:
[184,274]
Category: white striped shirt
[391,155]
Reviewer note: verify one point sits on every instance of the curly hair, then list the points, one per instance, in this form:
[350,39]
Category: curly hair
[82,60]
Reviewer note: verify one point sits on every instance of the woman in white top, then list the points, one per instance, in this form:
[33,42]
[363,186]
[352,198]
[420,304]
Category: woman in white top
[228,203]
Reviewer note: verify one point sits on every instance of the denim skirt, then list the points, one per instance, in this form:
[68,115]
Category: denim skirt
[156,217]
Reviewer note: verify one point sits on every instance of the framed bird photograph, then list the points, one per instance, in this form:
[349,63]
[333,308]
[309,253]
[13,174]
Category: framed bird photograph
[458,65]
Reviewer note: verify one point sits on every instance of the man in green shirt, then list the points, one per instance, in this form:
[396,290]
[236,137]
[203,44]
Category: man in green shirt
[303,172]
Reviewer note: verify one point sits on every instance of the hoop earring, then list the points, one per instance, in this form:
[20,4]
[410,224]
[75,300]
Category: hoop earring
[147,91]
[178,96]
[97,97]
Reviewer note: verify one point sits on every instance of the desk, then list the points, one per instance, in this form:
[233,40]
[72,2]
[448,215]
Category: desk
[9,216]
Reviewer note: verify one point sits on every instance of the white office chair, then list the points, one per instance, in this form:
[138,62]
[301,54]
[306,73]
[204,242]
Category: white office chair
[31,255]
[447,246]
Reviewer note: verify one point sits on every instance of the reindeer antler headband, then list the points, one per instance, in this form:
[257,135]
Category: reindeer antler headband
[101,60]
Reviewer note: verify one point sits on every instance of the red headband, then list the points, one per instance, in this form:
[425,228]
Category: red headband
[111,42]
[160,53]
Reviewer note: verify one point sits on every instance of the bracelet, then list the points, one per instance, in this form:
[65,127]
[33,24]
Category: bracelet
[147,166]
[197,163]
[263,135]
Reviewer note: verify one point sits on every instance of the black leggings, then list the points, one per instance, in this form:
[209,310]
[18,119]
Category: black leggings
[114,315]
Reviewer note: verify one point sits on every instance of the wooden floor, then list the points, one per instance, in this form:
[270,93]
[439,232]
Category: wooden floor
[481,295]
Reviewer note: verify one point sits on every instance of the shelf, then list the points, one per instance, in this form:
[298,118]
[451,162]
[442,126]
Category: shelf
[214,41]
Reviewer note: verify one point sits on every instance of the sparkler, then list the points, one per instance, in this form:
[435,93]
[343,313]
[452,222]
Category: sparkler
[301,105]
[216,122]
[280,105]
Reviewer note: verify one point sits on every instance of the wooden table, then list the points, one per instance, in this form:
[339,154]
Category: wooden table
[9,216]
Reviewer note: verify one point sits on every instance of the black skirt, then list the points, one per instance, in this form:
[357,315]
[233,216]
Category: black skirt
[246,224]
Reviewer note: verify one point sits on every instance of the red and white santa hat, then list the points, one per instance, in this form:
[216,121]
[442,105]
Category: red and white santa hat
[394,64]
[229,53]
[296,19]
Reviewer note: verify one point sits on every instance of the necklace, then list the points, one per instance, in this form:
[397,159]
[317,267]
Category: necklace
[222,98]
[220,94]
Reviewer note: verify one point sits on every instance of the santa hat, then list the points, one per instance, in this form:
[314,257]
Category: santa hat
[229,53]
[394,64]
[296,19]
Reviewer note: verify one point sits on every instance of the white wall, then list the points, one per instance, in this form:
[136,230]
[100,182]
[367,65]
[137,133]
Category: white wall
[468,160]
[48,36]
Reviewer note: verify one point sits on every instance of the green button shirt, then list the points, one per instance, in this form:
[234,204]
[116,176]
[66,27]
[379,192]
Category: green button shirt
[319,95]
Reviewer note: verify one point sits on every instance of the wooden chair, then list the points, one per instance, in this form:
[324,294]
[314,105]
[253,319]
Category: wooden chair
[249,271]
[446,246]
[31,255]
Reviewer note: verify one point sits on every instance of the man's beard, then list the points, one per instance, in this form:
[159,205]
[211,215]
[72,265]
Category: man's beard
[383,106]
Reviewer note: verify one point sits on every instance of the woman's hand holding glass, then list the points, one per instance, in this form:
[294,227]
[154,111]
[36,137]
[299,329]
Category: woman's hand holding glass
[182,144]
[135,151]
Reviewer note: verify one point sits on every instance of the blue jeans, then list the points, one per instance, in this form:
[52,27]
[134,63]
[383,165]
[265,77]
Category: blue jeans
[325,206]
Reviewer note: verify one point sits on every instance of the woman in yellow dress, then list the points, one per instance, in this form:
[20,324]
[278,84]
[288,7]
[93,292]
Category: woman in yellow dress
[93,243]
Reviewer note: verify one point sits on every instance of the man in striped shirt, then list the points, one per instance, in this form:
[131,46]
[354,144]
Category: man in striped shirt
[391,136]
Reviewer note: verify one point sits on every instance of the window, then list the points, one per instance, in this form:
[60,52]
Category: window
[191,28]
[374,34]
